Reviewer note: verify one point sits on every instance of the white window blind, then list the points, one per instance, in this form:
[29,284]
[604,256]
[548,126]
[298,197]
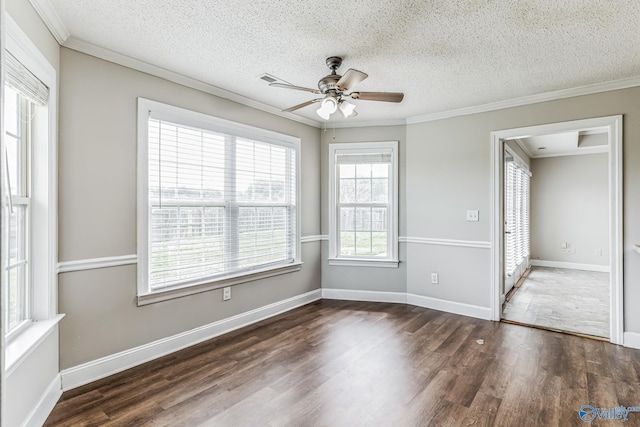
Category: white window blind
[219,205]
[516,214]
[24,81]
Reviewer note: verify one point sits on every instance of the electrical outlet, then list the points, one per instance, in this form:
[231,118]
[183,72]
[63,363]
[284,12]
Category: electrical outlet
[226,293]
[566,251]
[473,216]
[599,252]
[434,278]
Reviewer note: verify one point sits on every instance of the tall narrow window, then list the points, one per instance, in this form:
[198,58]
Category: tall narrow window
[17,213]
[220,199]
[516,215]
[363,204]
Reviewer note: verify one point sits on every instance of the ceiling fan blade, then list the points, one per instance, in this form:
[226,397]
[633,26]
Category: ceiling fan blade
[304,104]
[378,96]
[350,79]
[286,86]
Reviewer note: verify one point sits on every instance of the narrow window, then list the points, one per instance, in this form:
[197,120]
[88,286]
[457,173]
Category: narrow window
[364,204]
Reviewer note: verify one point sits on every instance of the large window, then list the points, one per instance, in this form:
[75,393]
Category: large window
[220,200]
[363,203]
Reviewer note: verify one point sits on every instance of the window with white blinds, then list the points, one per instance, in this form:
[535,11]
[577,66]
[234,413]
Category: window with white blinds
[221,201]
[363,202]
[28,189]
[516,213]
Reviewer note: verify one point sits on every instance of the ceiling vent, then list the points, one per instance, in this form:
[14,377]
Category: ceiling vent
[268,78]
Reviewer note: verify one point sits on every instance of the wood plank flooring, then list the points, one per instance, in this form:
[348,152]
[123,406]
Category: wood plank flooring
[340,363]
[562,299]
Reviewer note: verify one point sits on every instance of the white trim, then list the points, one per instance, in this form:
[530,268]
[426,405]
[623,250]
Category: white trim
[446,242]
[368,296]
[614,129]
[118,362]
[208,285]
[181,79]
[24,344]
[459,308]
[51,19]
[45,405]
[355,262]
[632,340]
[309,239]
[348,123]
[93,263]
[529,99]
[570,265]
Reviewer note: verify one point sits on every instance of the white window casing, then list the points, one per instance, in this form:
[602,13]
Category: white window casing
[218,202]
[28,72]
[363,204]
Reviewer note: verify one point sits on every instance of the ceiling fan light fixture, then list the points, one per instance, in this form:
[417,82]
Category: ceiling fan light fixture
[328,106]
[323,113]
[347,109]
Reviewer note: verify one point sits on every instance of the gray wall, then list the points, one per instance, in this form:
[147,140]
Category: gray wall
[97,211]
[448,171]
[570,203]
[364,278]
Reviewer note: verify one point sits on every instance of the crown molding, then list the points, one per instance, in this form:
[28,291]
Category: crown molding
[530,99]
[48,14]
[369,123]
[154,70]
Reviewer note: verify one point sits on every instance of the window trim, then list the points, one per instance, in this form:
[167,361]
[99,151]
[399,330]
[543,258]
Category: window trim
[200,120]
[391,261]
[44,190]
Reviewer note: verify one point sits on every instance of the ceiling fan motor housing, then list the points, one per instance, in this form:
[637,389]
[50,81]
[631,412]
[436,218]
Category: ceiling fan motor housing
[329,82]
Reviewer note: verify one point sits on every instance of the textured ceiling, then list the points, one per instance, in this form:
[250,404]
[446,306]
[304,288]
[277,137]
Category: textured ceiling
[443,54]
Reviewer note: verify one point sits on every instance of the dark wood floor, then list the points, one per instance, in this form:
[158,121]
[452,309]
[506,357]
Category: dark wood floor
[338,363]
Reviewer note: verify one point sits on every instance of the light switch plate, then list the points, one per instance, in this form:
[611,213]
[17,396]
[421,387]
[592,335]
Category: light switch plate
[473,216]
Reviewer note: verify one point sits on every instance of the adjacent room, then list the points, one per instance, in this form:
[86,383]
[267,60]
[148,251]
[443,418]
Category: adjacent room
[368,213]
[557,207]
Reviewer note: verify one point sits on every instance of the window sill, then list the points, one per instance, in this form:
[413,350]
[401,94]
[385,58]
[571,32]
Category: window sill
[355,262]
[177,292]
[20,347]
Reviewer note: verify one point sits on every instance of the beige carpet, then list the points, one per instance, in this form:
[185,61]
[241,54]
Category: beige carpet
[569,300]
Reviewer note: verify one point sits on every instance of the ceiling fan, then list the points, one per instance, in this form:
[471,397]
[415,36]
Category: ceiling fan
[336,90]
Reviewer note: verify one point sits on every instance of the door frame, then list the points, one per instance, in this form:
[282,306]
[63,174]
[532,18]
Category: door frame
[614,128]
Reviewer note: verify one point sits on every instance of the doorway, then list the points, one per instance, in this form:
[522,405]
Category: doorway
[510,230]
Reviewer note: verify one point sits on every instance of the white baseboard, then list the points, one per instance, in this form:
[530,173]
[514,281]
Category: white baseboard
[39,414]
[368,296]
[632,340]
[570,265]
[109,365]
[403,298]
[450,306]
